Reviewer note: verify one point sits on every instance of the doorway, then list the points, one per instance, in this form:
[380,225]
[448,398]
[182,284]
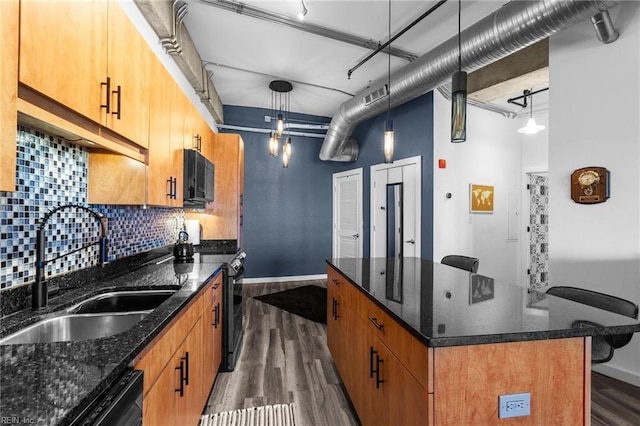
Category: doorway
[347,214]
[396,202]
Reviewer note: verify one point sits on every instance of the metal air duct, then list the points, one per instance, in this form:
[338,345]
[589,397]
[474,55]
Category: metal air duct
[516,25]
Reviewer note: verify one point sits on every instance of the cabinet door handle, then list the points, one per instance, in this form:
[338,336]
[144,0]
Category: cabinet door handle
[216,315]
[371,369]
[118,91]
[186,363]
[108,92]
[170,182]
[375,322]
[175,188]
[336,311]
[180,390]
[378,362]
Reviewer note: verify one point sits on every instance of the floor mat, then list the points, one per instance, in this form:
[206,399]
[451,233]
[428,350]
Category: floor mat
[268,415]
[309,302]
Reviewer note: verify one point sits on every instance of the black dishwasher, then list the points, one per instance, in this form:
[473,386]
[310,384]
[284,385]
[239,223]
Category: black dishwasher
[120,405]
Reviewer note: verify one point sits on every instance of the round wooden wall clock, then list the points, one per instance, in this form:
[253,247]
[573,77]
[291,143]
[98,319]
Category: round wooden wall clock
[590,185]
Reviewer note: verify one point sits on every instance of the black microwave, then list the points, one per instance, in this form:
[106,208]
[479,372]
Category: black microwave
[199,176]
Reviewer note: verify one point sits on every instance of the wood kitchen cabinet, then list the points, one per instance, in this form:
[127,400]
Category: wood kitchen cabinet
[90,58]
[165,157]
[223,218]
[115,179]
[9,20]
[180,365]
[212,333]
[381,388]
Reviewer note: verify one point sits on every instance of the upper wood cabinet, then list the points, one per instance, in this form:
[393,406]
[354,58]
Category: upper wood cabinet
[128,70]
[223,218]
[9,20]
[115,179]
[89,57]
[165,163]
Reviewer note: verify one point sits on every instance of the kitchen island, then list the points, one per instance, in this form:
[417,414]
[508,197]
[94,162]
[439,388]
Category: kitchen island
[54,383]
[417,342]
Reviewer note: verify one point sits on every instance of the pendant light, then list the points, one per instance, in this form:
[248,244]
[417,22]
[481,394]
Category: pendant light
[459,95]
[532,127]
[286,152]
[389,137]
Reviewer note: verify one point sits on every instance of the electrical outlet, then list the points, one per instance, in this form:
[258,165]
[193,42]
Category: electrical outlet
[514,405]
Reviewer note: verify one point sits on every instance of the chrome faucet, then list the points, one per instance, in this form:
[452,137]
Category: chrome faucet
[39,288]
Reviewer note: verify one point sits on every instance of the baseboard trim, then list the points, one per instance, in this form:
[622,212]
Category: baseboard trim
[284,279]
[617,374]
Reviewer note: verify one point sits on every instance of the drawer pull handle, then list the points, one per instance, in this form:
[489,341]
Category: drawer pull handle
[375,322]
[335,281]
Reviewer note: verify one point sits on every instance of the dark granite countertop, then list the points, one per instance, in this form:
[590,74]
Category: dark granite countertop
[445,306]
[51,383]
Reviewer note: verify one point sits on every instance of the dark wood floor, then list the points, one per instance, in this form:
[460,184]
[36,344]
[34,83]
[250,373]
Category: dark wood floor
[285,359]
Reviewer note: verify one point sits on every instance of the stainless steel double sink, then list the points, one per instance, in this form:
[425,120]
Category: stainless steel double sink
[99,316]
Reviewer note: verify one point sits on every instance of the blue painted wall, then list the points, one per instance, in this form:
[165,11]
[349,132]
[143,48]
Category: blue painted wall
[288,212]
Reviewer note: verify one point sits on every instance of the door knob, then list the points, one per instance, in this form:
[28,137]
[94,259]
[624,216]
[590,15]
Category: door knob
[411,241]
[356,235]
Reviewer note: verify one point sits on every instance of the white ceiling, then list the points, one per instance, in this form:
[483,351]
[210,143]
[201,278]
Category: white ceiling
[247,53]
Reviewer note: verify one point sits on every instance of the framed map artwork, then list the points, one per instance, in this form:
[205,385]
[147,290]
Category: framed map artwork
[480,198]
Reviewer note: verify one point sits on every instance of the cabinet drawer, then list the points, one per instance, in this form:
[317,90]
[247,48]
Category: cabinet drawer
[413,354]
[154,358]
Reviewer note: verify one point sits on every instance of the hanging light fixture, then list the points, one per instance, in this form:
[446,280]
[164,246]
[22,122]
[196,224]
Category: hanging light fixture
[459,95]
[389,137]
[532,127]
[280,94]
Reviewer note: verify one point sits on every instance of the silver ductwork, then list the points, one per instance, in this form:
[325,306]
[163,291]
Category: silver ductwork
[516,25]
[605,31]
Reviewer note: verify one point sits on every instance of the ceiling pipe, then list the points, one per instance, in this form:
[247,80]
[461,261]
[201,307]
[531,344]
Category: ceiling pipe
[514,26]
[605,30]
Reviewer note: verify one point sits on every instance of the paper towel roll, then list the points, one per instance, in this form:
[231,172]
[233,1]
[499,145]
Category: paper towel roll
[193,229]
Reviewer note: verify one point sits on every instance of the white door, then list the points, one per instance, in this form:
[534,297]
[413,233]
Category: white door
[407,172]
[347,214]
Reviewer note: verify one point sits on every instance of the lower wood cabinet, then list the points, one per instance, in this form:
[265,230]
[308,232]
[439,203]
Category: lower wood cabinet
[180,365]
[392,378]
[380,387]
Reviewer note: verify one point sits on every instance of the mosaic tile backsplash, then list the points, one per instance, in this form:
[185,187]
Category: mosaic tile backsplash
[52,172]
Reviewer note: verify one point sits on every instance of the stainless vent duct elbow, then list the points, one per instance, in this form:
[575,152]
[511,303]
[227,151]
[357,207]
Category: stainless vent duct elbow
[605,30]
[516,25]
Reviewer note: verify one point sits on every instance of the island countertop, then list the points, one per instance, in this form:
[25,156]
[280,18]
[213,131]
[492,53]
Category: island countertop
[445,306]
[52,383]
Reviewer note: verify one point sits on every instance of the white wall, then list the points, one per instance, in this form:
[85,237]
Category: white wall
[490,156]
[595,121]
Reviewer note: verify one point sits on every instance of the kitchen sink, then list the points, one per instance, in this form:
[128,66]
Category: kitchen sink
[122,301]
[72,327]
[99,316]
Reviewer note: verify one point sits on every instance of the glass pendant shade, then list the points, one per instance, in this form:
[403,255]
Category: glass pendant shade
[459,107]
[531,128]
[273,145]
[286,148]
[280,125]
[389,141]
[285,159]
